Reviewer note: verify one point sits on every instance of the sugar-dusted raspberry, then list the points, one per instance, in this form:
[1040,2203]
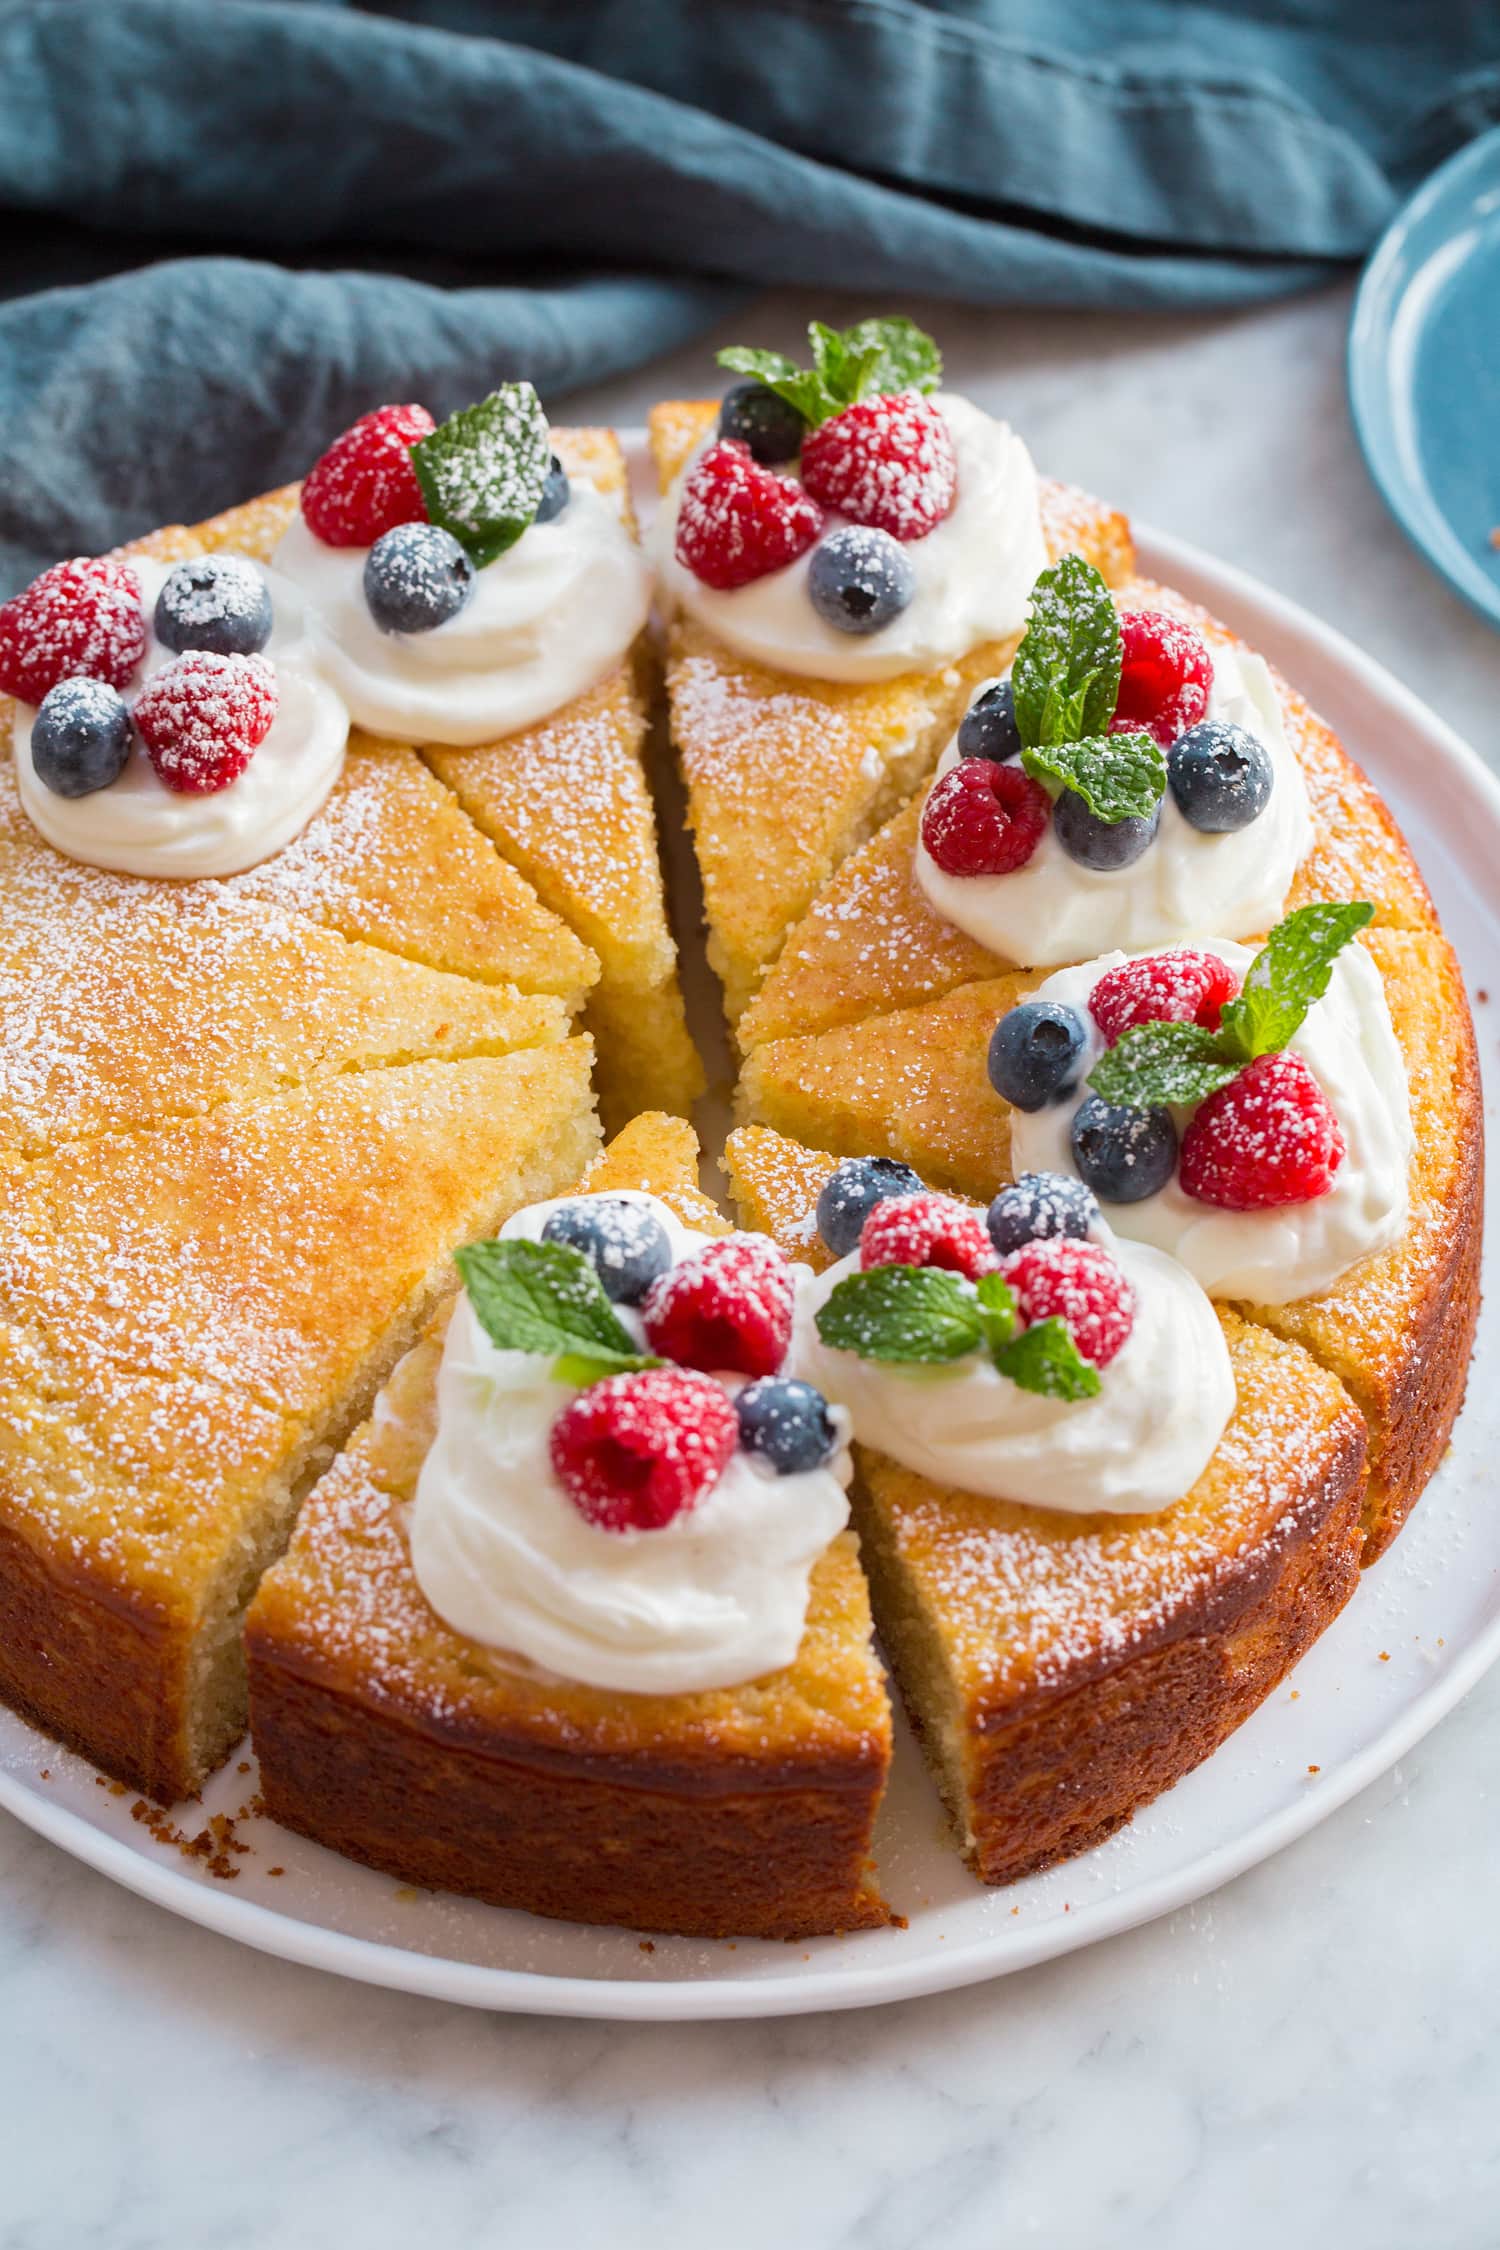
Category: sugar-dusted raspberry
[1182,985]
[202,716]
[634,1451]
[1267,1139]
[981,818]
[738,521]
[884,461]
[728,1309]
[365,484]
[1076,1282]
[1165,677]
[927,1230]
[80,620]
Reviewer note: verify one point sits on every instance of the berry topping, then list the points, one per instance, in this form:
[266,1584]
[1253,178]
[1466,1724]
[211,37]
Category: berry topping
[1037,1052]
[1268,1138]
[884,461]
[202,716]
[1124,1154]
[365,483]
[556,493]
[636,1450]
[1221,777]
[771,426]
[1078,1283]
[79,619]
[626,1244]
[80,738]
[988,728]
[787,1424]
[737,521]
[984,819]
[859,579]
[416,577]
[1102,844]
[729,1309]
[215,601]
[1181,986]
[927,1230]
[851,1192]
[1039,1206]
[1165,676]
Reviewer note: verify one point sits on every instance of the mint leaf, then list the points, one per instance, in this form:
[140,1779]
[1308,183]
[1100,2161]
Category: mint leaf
[1066,676]
[482,471]
[1162,1062]
[1288,974]
[892,355]
[1045,1358]
[1118,776]
[872,357]
[801,387]
[545,1297]
[916,1313]
[999,1313]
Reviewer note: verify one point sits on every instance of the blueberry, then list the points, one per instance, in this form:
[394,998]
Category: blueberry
[787,1423]
[1036,1053]
[627,1243]
[80,738]
[1040,1205]
[1220,775]
[416,577]
[218,602]
[988,728]
[1102,844]
[851,1192]
[859,579]
[556,493]
[1123,1154]
[762,419]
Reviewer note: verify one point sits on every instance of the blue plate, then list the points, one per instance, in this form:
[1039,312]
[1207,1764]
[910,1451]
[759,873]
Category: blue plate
[1424,370]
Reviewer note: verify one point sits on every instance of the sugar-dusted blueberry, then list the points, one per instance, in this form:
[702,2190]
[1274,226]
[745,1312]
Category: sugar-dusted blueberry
[851,1192]
[765,421]
[1036,1053]
[859,579]
[417,577]
[556,493]
[1102,844]
[80,738]
[1220,775]
[217,602]
[988,728]
[627,1244]
[787,1423]
[1039,1206]
[1123,1154]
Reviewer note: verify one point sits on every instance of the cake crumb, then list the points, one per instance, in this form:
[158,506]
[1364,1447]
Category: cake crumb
[1315,1769]
[1385,1656]
[647,1946]
[275,1870]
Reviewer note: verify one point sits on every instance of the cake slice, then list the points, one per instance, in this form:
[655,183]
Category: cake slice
[386,1735]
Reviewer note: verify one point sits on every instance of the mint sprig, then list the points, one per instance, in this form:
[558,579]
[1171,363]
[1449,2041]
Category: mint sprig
[866,361]
[1162,1062]
[546,1298]
[922,1315]
[1118,776]
[1066,682]
[482,471]
[1044,1358]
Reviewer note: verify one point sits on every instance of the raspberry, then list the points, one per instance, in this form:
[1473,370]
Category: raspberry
[1266,1139]
[728,1309]
[737,521]
[636,1450]
[201,716]
[1079,1283]
[79,619]
[1165,678]
[927,1230]
[1182,986]
[365,483]
[884,461]
[984,819]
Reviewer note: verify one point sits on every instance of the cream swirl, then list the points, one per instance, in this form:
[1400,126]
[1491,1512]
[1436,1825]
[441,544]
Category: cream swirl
[1270,1257]
[974,572]
[139,826]
[1053,909]
[716,1597]
[547,620]
[1137,1446]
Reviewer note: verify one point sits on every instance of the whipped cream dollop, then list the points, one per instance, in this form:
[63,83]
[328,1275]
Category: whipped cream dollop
[716,1597]
[547,620]
[1137,1446]
[1053,910]
[974,572]
[1269,1257]
[139,826]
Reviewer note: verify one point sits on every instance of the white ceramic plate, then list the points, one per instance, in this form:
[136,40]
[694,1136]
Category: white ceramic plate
[1421,1629]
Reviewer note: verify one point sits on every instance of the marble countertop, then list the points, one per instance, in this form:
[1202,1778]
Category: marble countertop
[1313,2052]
